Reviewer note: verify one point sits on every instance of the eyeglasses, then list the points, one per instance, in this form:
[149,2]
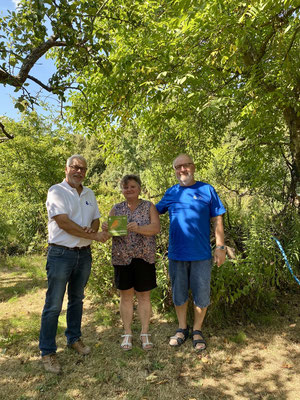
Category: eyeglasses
[77,168]
[185,166]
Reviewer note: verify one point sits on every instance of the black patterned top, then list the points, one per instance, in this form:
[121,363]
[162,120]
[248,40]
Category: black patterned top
[133,245]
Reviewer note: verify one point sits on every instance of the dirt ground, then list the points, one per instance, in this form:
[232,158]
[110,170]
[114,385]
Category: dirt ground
[245,361]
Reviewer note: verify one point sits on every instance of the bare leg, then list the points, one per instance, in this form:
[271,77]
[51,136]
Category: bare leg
[144,310]
[199,315]
[181,312]
[126,310]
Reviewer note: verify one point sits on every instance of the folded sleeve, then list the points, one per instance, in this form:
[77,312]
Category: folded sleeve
[56,203]
[216,205]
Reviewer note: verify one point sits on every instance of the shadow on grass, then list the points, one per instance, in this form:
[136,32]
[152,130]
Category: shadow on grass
[19,331]
[162,373]
[165,373]
[235,366]
[19,285]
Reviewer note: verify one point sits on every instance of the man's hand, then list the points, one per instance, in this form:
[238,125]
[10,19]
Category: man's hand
[219,256]
[102,236]
[65,223]
[88,229]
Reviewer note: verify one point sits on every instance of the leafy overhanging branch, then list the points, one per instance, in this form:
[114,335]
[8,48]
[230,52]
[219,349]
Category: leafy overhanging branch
[78,28]
[28,63]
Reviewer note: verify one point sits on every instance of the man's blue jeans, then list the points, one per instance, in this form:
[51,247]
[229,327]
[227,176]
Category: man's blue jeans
[64,267]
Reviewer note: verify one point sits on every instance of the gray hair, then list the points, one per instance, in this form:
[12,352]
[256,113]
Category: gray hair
[78,157]
[183,154]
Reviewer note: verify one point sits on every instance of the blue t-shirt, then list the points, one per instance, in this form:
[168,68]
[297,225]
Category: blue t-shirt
[190,210]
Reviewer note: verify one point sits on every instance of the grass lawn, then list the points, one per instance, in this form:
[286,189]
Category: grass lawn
[259,359]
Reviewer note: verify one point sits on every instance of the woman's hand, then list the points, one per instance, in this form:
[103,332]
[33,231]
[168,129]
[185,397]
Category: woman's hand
[149,229]
[105,226]
[133,227]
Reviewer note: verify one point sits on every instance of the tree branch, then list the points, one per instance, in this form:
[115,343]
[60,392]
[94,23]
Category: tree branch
[7,78]
[48,88]
[236,191]
[37,53]
[263,47]
[101,8]
[288,163]
[29,62]
[7,135]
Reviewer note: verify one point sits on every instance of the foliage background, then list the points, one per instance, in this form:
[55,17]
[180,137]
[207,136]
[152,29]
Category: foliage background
[254,271]
[145,81]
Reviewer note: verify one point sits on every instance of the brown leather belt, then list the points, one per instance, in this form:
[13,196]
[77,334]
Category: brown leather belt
[69,248]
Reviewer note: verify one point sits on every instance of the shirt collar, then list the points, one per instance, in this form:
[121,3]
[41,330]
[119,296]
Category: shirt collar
[67,186]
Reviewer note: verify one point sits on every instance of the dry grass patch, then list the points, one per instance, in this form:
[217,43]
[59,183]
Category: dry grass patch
[242,362]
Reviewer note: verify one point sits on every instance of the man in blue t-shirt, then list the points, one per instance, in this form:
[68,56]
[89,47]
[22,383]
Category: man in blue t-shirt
[192,205]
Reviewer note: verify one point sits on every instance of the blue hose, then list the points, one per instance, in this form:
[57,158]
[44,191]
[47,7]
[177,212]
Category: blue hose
[286,260]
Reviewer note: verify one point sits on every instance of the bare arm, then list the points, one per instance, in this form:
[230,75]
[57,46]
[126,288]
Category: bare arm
[65,223]
[218,228]
[94,226]
[147,230]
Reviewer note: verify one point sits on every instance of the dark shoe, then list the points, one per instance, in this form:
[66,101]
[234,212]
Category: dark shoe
[51,364]
[80,347]
[180,340]
[196,341]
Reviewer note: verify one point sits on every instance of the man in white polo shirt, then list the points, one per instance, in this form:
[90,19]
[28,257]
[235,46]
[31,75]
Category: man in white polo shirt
[73,222]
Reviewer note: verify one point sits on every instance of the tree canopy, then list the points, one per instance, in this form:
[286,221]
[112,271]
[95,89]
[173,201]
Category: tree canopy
[168,76]
[192,71]
[70,32]
[144,81]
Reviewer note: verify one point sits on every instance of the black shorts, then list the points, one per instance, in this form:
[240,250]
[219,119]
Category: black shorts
[139,275]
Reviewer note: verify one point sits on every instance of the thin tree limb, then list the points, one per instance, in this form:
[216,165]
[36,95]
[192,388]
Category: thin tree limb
[7,135]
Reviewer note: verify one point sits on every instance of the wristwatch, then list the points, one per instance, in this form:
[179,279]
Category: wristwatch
[221,247]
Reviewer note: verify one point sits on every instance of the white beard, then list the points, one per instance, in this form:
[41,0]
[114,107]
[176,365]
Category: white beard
[187,181]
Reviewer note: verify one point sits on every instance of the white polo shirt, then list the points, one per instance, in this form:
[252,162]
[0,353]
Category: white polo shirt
[82,209]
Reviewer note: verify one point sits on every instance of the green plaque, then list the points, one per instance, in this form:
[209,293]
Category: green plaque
[117,225]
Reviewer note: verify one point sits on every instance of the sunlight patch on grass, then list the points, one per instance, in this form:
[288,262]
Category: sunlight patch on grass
[21,276]
[106,315]
[13,299]
[170,315]
[62,323]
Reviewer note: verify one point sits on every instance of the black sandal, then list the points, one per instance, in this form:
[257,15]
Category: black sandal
[196,341]
[180,340]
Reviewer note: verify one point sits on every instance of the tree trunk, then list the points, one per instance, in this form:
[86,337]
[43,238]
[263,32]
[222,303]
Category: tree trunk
[293,122]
